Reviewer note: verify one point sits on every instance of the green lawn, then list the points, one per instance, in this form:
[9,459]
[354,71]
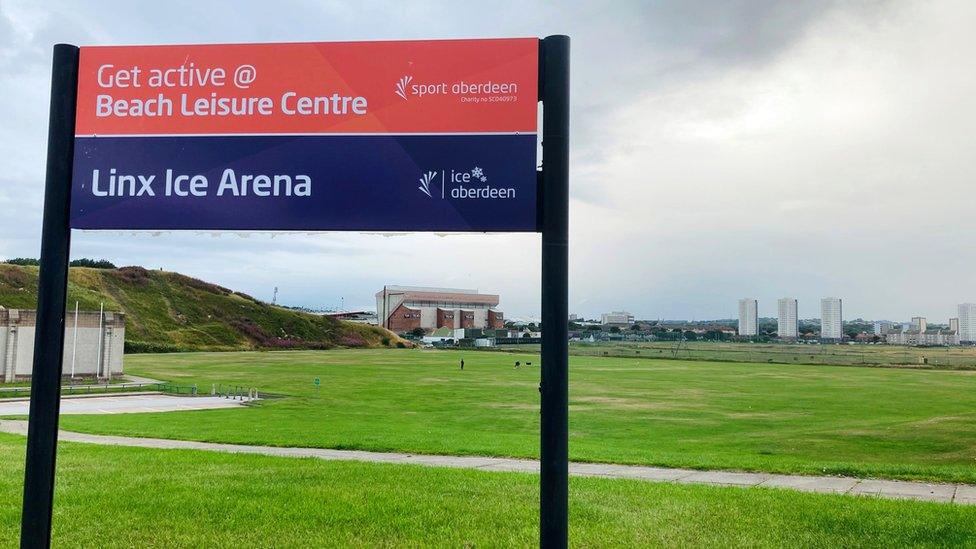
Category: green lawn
[778,418]
[133,497]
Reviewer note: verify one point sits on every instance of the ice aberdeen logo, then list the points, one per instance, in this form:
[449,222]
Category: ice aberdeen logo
[401,86]
[464,184]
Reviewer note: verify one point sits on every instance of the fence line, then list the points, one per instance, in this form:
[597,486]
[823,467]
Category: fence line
[106,388]
[816,354]
[234,392]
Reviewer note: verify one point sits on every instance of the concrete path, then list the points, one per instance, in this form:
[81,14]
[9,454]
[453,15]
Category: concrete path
[140,379]
[945,493]
[123,404]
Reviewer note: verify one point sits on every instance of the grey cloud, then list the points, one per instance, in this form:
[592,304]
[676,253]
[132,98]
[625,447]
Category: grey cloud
[711,139]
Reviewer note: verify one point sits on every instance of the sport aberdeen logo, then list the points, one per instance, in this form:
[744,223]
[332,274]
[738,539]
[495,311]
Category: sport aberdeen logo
[401,86]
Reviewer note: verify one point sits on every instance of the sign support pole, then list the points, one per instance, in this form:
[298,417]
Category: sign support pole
[45,397]
[554,454]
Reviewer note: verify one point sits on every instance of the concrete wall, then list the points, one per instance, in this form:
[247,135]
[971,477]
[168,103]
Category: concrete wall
[97,352]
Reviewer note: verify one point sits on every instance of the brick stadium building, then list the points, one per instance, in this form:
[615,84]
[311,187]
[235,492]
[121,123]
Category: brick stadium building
[404,308]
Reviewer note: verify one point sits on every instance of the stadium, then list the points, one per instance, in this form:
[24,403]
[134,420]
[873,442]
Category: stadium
[405,308]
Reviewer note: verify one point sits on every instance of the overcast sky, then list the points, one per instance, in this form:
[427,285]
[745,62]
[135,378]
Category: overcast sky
[720,150]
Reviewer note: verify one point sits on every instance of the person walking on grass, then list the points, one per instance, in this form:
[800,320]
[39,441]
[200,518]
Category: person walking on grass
[462,364]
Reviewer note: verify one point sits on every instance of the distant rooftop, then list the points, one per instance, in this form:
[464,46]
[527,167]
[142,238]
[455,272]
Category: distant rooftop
[397,289]
[419,293]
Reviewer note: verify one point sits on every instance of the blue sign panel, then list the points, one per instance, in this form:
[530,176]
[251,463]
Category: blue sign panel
[327,183]
[352,136]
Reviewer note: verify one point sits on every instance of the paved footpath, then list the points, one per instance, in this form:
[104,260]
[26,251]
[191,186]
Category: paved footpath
[945,493]
[122,403]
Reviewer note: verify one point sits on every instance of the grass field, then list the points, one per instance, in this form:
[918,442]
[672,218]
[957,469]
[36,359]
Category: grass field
[133,497]
[778,418]
[779,353]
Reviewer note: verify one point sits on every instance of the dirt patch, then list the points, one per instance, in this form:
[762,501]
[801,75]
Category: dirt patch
[620,403]
[941,419]
[764,415]
[434,380]
[513,406]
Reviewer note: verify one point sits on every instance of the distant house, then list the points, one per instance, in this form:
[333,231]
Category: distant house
[440,335]
[932,337]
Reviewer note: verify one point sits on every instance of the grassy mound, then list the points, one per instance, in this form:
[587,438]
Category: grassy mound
[173,312]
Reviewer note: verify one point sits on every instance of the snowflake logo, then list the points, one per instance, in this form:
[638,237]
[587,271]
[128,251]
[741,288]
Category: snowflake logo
[477,173]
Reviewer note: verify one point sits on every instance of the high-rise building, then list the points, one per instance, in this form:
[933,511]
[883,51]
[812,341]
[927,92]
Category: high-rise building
[831,319]
[748,317]
[786,321]
[919,323]
[954,325]
[967,322]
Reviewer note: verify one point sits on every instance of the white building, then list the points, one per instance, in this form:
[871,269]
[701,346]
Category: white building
[617,318]
[935,337]
[786,321]
[954,325]
[967,322]
[882,327]
[97,351]
[831,319]
[748,317]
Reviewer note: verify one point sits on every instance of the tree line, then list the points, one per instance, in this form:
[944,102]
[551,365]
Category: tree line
[83,262]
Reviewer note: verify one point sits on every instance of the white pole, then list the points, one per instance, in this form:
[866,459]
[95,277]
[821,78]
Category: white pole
[101,336]
[74,342]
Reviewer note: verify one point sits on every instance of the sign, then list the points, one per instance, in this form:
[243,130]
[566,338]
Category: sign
[307,148]
[358,136]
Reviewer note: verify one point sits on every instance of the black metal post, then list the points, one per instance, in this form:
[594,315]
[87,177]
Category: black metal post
[554,473]
[45,397]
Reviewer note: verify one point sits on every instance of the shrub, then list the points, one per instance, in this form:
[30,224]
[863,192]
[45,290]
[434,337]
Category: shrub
[16,278]
[352,340]
[262,338]
[92,263]
[24,261]
[133,275]
[247,297]
[151,347]
[200,285]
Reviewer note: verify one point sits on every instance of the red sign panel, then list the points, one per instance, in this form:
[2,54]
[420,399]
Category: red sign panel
[338,87]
